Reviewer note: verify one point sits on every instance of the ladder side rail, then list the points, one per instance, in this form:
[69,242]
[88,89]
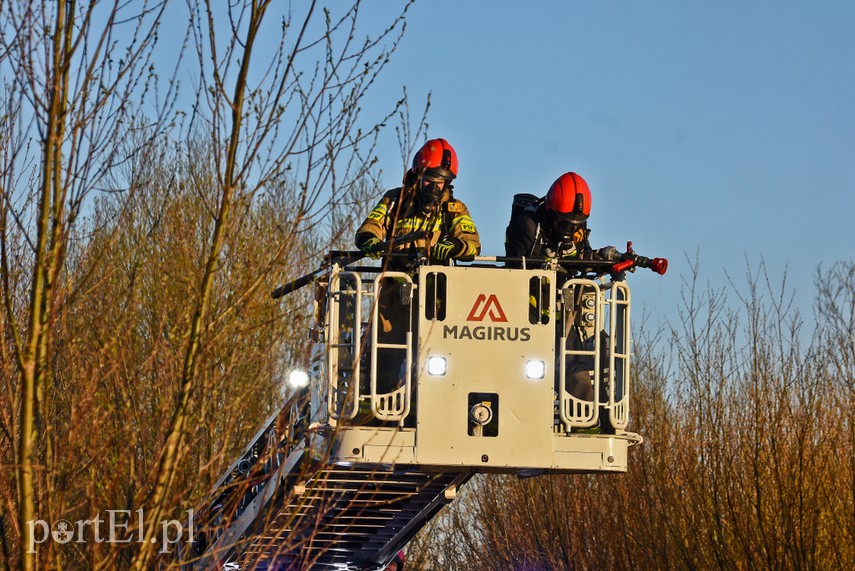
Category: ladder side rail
[393,405]
[619,355]
[332,340]
[573,411]
[353,393]
[260,435]
[343,401]
[279,435]
[248,477]
[357,343]
[425,515]
[228,538]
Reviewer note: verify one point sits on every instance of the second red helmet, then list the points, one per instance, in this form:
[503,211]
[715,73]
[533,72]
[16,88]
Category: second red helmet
[570,195]
[436,158]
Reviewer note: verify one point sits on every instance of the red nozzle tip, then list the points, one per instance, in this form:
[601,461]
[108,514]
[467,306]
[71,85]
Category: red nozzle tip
[659,265]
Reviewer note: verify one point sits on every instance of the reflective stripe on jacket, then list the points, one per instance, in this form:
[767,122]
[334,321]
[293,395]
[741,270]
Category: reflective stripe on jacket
[452,220]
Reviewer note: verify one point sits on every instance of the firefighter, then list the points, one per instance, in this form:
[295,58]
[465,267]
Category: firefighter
[425,202]
[555,227]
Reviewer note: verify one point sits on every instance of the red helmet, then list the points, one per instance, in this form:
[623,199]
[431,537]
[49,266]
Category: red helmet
[436,158]
[571,196]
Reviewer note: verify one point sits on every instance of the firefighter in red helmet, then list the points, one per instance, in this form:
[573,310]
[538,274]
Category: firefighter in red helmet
[554,226]
[425,202]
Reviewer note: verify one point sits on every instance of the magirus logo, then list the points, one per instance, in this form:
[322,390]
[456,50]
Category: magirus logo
[487,307]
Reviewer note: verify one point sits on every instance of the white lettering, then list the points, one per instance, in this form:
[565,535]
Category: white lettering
[113,525]
[164,535]
[485,333]
[32,528]
[96,529]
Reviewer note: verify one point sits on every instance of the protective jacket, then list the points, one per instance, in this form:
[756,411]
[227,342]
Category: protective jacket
[397,214]
[530,235]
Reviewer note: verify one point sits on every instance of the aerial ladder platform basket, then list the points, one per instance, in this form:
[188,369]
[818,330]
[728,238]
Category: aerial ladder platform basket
[419,380]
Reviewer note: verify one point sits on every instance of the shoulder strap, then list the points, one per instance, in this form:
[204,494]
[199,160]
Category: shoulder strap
[395,198]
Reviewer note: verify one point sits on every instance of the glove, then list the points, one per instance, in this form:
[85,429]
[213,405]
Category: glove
[371,247]
[568,251]
[445,249]
[608,253]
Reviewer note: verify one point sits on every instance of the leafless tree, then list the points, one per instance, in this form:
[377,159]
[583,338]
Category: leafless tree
[140,237]
[293,115]
[74,77]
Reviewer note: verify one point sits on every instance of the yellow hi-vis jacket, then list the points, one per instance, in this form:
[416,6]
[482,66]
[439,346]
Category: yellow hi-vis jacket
[394,217]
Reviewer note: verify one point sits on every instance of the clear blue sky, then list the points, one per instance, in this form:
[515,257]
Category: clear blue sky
[716,131]
[720,128]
